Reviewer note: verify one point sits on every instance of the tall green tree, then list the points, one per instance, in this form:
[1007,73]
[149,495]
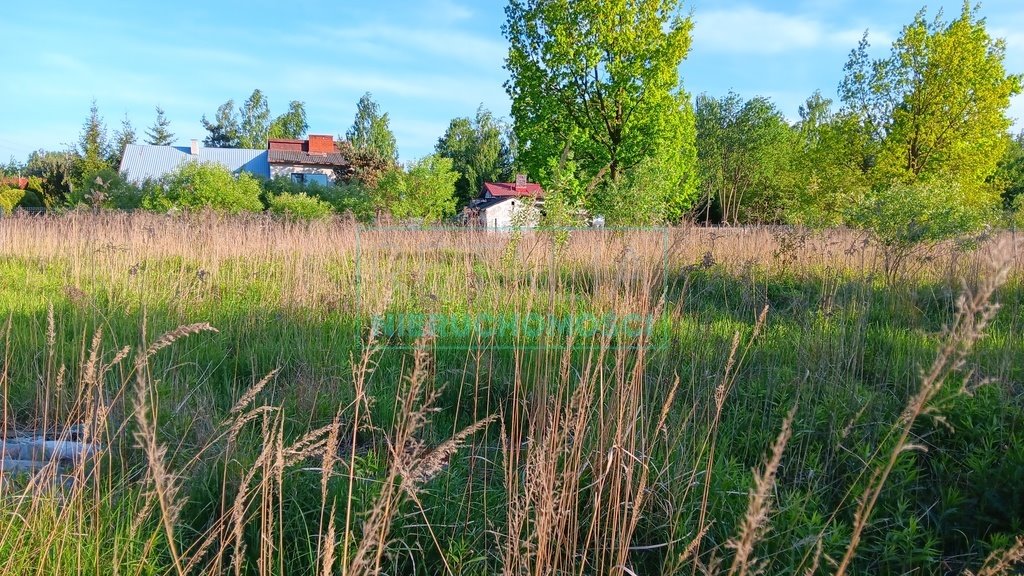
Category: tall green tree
[223,131]
[825,174]
[1009,175]
[371,130]
[93,143]
[159,133]
[602,79]
[122,138]
[935,108]
[254,121]
[292,124]
[743,150]
[479,150]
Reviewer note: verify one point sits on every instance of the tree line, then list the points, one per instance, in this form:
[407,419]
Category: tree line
[600,117]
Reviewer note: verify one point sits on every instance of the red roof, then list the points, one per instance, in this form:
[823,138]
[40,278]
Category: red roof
[509,189]
[15,182]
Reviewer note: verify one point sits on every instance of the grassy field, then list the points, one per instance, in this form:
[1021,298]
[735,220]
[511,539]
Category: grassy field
[282,398]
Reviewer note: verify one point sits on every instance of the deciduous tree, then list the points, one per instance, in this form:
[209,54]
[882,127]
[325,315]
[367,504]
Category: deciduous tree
[479,150]
[602,78]
[224,130]
[743,148]
[292,124]
[371,131]
[935,108]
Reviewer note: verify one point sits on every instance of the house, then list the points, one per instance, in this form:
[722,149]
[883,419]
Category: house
[313,160]
[506,204]
[14,182]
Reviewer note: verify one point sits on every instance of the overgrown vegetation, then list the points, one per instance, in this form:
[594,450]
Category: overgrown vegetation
[261,412]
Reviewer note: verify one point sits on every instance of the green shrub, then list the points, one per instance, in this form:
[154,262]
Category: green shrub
[10,198]
[106,188]
[903,218]
[300,206]
[197,186]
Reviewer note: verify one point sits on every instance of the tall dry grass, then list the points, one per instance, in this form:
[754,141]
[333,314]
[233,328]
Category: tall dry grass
[590,440]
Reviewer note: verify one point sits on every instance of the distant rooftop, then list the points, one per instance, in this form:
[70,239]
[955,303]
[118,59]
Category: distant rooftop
[141,161]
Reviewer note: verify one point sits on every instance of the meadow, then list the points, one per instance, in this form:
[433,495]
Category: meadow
[281,397]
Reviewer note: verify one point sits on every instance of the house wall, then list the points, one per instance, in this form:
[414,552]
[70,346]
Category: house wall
[286,170]
[509,213]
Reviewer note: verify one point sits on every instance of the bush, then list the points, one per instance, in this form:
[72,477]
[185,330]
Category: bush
[10,198]
[106,188]
[903,218]
[199,186]
[300,206]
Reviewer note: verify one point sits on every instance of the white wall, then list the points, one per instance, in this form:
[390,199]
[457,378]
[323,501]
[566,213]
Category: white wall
[287,170]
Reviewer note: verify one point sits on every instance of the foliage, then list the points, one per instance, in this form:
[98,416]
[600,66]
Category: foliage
[122,138]
[254,121]
[56,170]
[936,106]
[292,124]
[823,176]
[1009,176]
[370,130]
[197,186]
[159,133]
[906,218]
[425,190]
[93,145]
[224,131]
[743,150]
[602,79]
[106,188]
[10,197]
[480,151]
[368,167]
[300,206]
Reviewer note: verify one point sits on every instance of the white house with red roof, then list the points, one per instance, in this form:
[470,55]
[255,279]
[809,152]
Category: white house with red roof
[506,204]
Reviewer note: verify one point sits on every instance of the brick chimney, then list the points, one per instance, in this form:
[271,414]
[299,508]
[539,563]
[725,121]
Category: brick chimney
[194,148]
[321,144]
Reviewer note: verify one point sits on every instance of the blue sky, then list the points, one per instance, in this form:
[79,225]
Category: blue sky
[425,61]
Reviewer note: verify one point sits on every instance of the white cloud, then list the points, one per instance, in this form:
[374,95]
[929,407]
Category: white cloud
[387,42]
[747,29]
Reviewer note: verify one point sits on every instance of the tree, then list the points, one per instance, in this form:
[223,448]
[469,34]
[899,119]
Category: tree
[224,130]
[371,131]
[292,124]
[159,134]
[936,107]
[824,174]
[1009,175]
[122,138]
[93,145]
[602,79]
[254,121]
[57,172]
[743,148]
[479,150]
[425,190]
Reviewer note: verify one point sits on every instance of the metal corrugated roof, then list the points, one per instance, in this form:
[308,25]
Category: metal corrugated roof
[141,161]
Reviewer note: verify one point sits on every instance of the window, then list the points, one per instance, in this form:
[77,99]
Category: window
[301,178]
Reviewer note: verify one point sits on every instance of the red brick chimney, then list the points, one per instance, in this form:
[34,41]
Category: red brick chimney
[321,144]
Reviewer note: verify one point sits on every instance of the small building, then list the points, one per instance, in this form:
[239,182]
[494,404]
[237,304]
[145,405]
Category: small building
[314,160]
[505,205]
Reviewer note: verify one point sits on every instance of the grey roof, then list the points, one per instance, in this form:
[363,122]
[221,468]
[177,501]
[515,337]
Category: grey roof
[141,161]
[296,157]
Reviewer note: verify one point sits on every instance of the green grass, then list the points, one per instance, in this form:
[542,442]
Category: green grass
[843,346]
